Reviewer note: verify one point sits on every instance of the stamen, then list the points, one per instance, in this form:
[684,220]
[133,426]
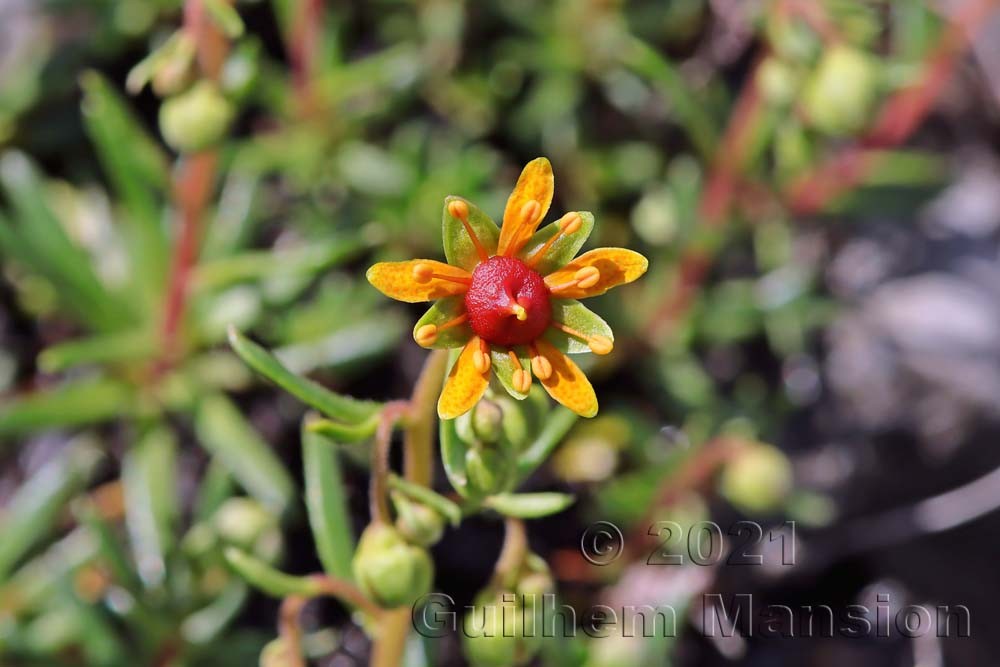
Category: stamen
[584,278]
[481,357]
[540,366]
[529,211]
[519,312]
[427,334]
[597,344]
[587,277]
[423,273]
[568,224]
[522,378]
[459,209]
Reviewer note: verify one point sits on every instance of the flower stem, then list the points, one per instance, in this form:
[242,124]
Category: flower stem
[515,548]
[418,438]
[393,628]
[378,498]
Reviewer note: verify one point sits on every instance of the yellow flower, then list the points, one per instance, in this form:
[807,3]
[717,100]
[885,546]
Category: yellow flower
[507,296]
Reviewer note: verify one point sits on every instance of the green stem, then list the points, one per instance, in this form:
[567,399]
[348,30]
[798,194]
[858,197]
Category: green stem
[418,438]
[512,555]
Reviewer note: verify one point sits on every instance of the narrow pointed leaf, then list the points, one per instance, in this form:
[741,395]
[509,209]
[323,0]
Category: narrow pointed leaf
[529,505]
[86,401]
[34,510]
[224,432]
[150,485]
[422,494]
[335,406]
[326,501]
[343,433]
[557,425]
[268,579]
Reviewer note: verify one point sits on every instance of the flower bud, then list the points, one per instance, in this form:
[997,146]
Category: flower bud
[778,81]
[838,96]
[498,632]
[195,119]
[488,421]
[758,479]
[242,521]
[416,522]
[276,653]
[390,571]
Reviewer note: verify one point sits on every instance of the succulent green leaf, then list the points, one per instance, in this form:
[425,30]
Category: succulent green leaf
[422,494]
[224,432]
[577,316]
[150,486]
[453,457]
[529,505]
[326,501]
[86,401]
[557,425]
[563,250]
[344,433]
[34,511]
[268,579]
[206,624]
[442,312]
[458,247]
[503,368]
[332,405]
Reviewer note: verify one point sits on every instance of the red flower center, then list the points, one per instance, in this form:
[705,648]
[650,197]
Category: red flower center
[508,303]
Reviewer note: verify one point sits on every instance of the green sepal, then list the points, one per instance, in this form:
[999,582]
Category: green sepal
[577,316]
[442,312]
[504,368]
[563,250]
[453,448]
[458,247]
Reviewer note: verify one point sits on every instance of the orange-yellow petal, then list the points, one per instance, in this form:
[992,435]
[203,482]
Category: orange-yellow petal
[465,384]
[418,280]
[521,218]
[615,266]
[567,383]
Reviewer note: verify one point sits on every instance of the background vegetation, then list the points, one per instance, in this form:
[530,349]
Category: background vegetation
[817,340]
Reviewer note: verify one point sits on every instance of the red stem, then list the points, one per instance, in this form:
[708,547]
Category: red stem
[194,180]
[303,43]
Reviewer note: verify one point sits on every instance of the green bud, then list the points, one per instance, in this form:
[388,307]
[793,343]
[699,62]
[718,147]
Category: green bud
[758,479]
[499,633]
[389,570]
[276,654]
[778,82]
[535,579]
[195,119]
[791,38]
[488,421]
[416,522]
[839,95]
[242,521]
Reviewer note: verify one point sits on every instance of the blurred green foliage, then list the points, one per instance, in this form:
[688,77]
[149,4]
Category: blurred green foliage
[329,167]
